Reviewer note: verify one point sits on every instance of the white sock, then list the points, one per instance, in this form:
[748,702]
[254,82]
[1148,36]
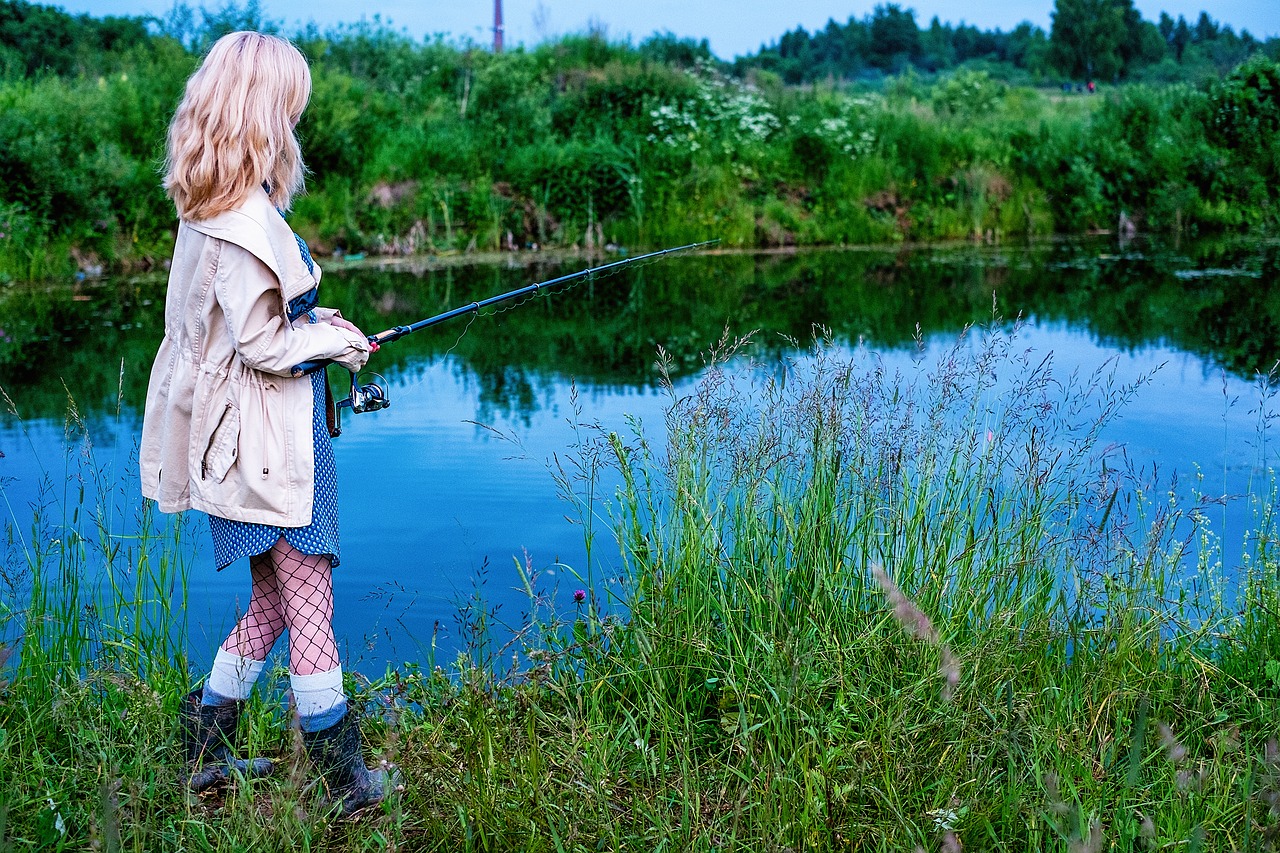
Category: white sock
[232,677]
[319,698]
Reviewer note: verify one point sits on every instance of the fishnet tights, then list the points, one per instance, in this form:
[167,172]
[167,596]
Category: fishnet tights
[290,590]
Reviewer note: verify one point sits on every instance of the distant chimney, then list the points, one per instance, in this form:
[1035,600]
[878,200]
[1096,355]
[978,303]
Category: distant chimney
[497,26]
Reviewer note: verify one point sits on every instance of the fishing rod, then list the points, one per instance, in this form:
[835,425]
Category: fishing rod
[372,396]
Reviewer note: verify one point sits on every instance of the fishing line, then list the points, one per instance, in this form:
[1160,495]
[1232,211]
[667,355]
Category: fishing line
[514,304]
[372,396]
[450,350]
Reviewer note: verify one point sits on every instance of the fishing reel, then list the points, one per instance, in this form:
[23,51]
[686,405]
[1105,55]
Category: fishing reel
[367,397]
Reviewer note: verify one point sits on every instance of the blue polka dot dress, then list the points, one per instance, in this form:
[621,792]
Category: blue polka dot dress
[234,540]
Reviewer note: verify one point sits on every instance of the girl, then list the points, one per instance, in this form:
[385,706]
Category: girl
[227,429]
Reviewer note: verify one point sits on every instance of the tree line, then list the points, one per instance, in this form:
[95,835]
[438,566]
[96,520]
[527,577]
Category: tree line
[1103,40]
[1106,40]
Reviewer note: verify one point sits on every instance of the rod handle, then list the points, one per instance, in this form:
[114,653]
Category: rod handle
[307,368]
[389,335]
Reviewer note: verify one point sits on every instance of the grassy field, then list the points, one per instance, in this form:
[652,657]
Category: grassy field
[827,607]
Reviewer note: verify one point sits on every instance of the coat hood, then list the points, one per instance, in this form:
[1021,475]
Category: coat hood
[259,228]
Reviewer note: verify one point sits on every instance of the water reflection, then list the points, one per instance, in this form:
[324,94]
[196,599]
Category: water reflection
[430,499]
[1214,301]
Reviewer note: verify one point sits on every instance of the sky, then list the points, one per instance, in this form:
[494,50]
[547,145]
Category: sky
[733,27]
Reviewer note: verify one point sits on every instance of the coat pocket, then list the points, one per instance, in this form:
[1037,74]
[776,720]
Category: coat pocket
[224,445]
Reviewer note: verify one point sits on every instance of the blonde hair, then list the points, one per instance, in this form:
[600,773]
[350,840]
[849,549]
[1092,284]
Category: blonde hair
[234,129]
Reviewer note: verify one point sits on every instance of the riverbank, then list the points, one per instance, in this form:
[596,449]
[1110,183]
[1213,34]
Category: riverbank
[1031,751]
[839,610]
[583,144]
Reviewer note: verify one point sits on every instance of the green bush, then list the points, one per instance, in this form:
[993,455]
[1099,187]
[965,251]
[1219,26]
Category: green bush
[430,146]
[1244,114]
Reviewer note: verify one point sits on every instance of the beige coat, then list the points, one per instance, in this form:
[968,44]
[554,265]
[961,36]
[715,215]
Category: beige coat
[227,430]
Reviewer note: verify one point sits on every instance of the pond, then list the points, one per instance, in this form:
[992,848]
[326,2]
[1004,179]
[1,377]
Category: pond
[447,490]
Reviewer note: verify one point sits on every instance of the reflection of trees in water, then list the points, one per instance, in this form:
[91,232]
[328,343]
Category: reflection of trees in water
[1213,301]
[1216,303]
[92,341]
[506,388]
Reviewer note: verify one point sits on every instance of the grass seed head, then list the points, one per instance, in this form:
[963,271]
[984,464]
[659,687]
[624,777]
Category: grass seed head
[1189,780]
[912,619]
[1091,843]
[1053,797]
[949,668]
[1176,751]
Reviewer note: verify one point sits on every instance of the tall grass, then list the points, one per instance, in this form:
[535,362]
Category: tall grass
[93,631]
[850,607]
[92,624]
[864,609]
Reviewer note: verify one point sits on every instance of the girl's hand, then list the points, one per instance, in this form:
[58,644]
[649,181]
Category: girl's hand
[342,323]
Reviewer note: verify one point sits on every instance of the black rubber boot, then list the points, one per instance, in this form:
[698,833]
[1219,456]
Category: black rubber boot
[209,733]
[335,752]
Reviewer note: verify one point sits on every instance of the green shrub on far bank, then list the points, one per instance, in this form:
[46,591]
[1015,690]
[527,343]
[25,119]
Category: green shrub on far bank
[434,147]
